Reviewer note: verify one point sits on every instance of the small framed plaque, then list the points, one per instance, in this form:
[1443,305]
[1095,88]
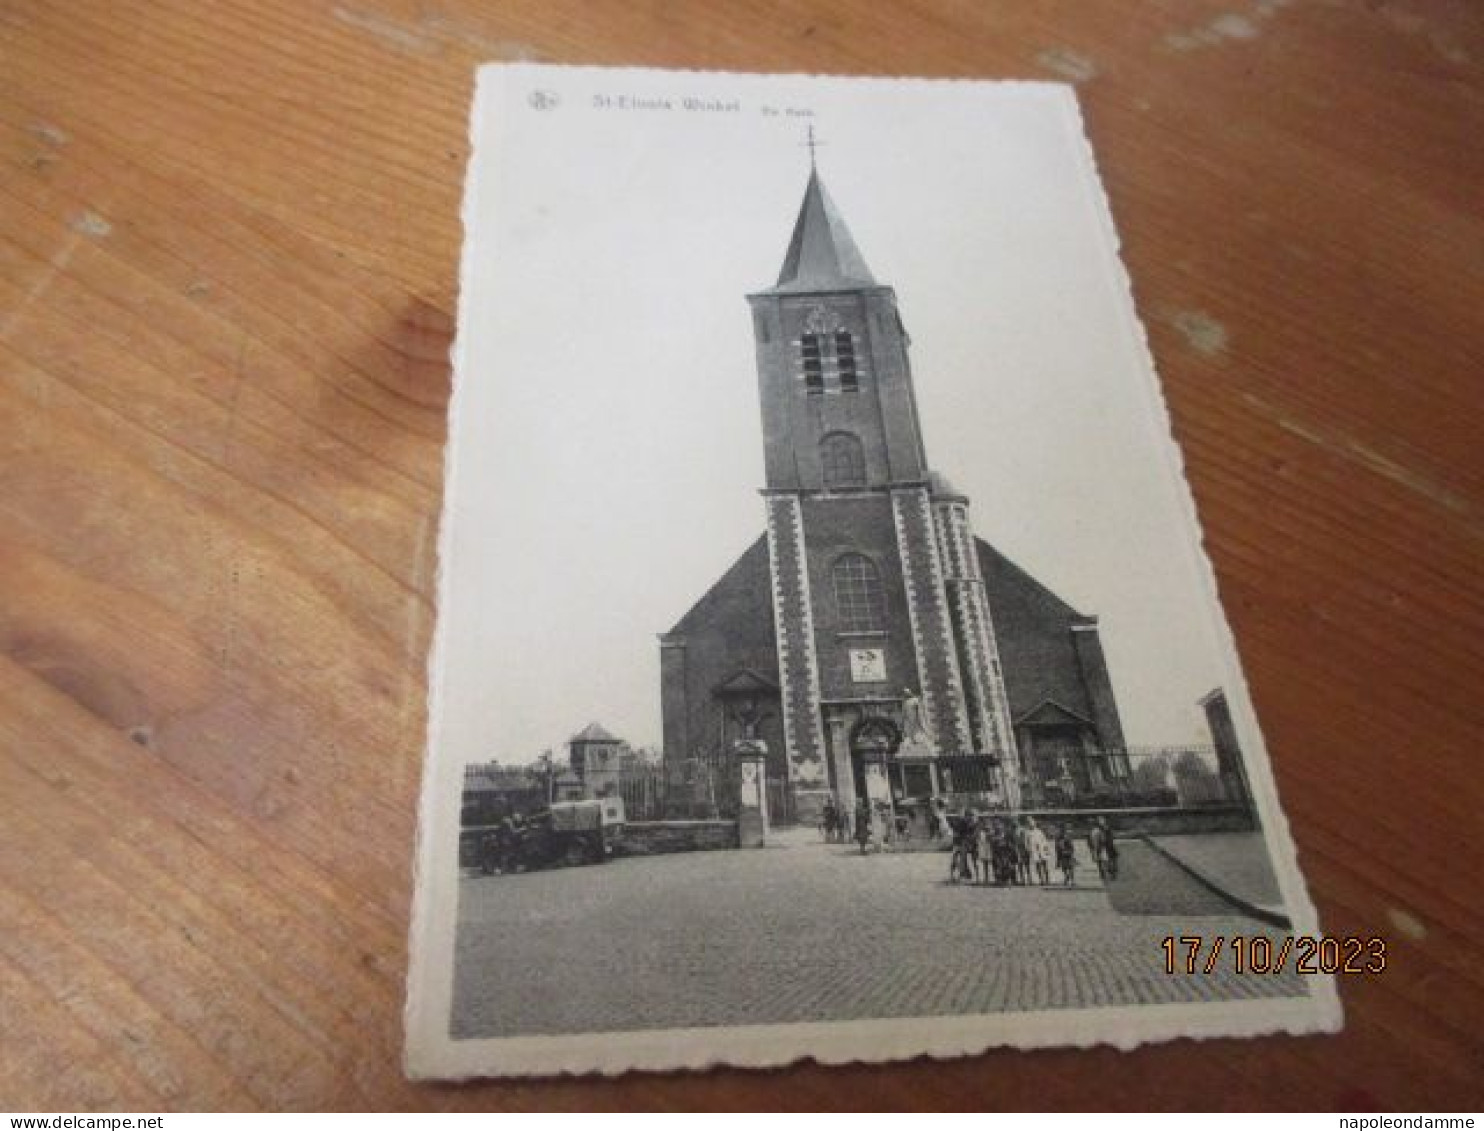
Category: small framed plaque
[868,665]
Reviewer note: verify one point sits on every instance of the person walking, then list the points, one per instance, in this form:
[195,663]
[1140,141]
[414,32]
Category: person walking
[961,829]
[1107,857]
[1066,856]
[862,824]
[1095,848]
[983,849]
[998,849]
[955,851]
[1039,847]
[935,818]
[970,823]
[1022,853]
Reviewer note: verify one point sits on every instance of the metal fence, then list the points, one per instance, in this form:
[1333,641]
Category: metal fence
[781,808]
[1076,777]
[974,774]
[697,788]
[643,789]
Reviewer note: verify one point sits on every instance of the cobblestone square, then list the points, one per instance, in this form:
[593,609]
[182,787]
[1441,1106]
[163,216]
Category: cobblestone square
[805,931]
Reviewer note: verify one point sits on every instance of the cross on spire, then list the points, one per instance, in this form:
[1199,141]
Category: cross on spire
[812,143]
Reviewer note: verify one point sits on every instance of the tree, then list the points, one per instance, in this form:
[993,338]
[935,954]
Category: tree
[1195,778]
[1150,774]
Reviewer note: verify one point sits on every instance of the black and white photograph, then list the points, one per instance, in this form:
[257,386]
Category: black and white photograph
[827,664]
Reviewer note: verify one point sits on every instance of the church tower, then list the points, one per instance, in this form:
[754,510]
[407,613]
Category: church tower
[879,606]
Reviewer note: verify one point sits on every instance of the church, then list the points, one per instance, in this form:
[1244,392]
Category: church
[867,638]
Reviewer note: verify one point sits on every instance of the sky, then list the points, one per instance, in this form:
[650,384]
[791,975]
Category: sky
[606,451]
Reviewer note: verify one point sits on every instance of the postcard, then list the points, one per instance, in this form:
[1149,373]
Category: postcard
[827,663]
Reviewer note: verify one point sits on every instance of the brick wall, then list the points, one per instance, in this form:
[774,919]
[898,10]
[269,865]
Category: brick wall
[652,838]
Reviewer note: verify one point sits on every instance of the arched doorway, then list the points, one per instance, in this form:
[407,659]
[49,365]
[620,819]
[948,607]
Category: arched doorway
[872,741]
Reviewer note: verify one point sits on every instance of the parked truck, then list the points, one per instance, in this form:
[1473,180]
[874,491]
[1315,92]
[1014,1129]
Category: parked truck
[563,833]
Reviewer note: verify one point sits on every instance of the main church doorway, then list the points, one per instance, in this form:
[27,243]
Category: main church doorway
[873,741]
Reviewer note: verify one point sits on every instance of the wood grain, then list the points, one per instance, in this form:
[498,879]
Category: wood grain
[228,251]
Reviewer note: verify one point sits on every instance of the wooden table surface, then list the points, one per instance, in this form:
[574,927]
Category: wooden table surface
[228,247]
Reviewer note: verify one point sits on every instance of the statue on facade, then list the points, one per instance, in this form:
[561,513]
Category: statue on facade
[913,726]
[749,715]
[916,741]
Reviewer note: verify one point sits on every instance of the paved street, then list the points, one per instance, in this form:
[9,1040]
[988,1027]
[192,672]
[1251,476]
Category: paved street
[805,931]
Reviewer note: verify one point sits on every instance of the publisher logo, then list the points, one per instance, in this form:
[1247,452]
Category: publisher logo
[543,100]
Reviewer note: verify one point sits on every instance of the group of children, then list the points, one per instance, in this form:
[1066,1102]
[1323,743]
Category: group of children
[986,847]
[995,849]
[991,849]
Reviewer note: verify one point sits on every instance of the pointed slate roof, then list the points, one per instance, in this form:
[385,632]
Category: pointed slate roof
[745,681]
[1050,712]
[594,732]
[821,256]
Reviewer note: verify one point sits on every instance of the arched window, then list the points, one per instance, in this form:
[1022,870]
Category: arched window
[843,460]
[858,594]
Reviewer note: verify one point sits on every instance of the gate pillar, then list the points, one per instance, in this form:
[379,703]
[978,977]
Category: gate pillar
[752,808]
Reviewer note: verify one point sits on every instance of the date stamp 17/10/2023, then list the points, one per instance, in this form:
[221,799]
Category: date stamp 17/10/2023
[1258,954]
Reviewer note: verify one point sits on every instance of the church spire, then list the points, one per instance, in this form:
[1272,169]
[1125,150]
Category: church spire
[821,255]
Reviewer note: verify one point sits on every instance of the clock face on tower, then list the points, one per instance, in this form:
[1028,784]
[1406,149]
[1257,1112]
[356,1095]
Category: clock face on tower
[867,665]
